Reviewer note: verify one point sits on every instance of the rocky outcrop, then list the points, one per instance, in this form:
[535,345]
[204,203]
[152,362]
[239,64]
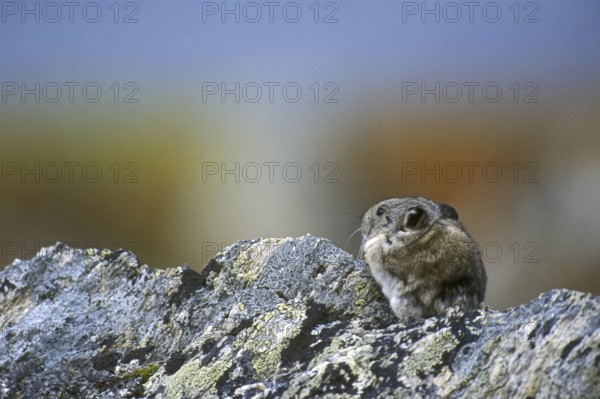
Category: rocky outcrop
[272,318]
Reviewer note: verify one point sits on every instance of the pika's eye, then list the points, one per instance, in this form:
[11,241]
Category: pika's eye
[380,211]
[415,219]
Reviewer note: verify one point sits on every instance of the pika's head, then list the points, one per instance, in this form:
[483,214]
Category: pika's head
[399,222]
[422,257]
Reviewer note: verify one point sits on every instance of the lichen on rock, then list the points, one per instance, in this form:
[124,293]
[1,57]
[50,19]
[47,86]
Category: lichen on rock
[272,318]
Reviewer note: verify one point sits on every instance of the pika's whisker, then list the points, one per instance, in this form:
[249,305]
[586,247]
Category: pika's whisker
[349,238]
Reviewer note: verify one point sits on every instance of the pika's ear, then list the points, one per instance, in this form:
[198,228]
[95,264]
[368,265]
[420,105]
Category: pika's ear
[448,211]
[415,219]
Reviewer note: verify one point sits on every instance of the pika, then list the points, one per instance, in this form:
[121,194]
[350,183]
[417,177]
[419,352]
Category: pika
[422,257]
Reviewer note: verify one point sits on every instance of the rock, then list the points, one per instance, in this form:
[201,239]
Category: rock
[272,318]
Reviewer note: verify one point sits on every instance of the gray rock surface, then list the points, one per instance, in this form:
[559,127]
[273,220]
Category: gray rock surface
[273,318]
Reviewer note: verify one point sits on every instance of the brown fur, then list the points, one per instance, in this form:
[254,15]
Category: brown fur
[422,257]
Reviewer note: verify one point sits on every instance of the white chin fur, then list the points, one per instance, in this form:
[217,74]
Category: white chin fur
[373,242]
[381,240]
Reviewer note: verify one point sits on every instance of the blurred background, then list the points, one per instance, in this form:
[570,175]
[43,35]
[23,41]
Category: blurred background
[173,130]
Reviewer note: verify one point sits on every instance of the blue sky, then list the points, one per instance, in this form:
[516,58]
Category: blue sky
[170,45]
